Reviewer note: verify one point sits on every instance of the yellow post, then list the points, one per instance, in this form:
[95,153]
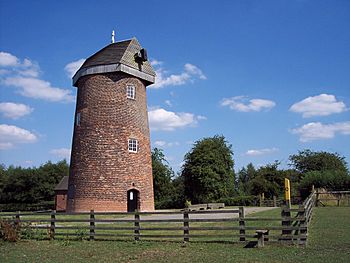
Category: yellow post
[287,192]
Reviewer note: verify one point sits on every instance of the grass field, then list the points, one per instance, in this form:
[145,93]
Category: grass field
[328,241]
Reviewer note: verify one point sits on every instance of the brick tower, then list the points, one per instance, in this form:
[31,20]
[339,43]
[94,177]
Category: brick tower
[111,167]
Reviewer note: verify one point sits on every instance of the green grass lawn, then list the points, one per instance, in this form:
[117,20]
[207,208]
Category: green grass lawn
[328,241]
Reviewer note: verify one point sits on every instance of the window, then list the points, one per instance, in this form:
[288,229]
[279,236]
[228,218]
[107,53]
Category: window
[131,195]
[133,145]
[130,92]
[77,120]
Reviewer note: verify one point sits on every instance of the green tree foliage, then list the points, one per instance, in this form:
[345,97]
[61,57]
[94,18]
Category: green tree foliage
[330,180]
[243,178]
[162,176]
[20,185]
[178,196]
[268,180]
[208,170]
[307,160]
[321,169]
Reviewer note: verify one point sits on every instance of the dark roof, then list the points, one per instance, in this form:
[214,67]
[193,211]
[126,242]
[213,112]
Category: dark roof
[122,52]
[110,54]
[63,184]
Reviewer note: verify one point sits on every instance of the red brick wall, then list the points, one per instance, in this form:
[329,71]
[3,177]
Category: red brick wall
[102,169]
[60,200]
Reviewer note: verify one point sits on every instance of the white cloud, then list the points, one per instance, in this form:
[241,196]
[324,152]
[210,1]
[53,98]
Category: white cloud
[15,66]
[72,67]
[160,119]
[200,117]
[8,60]
[159,143]
[168,102]
[155,62]
[4,72]
[242,104]
[257,152]
[318,131]
[14,110]
[28,69]
[194,70]
[62,152]
[24,75]
[39,89]
[189,74]
[6,145]
[321,105]
[11,135]
[166,144]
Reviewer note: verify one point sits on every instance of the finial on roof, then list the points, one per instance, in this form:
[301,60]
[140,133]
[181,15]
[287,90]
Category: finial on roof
[113,34]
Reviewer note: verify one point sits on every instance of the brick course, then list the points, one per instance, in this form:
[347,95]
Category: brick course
[102,169]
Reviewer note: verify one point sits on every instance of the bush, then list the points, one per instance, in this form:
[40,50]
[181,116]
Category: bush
[81,234]
[168,204]
[240,201]
[11,207]
[27,232]
[8,231]
[330,180]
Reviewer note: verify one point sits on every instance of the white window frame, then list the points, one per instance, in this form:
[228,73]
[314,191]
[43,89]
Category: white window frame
[130,91]
[78,119]
[133,145]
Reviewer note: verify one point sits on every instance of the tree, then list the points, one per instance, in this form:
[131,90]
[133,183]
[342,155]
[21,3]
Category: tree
[178,196]
[268,180]
[208,170]
[307,160]
[162,175]
[245,175]
[24,186]
[330,180]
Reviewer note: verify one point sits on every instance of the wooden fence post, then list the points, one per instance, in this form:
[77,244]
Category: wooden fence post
[338,199]
[18,219]
[241,224]
[286,223]
[274,201]
[186,226]
[317,197]
[260,200]
[92,225]
[52,225]
[137,226]
[303,225]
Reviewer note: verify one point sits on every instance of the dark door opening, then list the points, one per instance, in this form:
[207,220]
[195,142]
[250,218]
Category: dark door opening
[133,200]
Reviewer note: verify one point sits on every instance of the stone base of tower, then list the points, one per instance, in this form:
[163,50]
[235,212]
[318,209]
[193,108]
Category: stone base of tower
[86,205]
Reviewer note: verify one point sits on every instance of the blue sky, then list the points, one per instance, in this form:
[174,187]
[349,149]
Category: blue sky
[273,77]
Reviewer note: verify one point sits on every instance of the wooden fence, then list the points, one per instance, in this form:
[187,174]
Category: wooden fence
[270,202]
[276,202]
[329,198]
[225,225]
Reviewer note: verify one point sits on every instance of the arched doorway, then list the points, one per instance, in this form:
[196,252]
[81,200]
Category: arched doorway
[133,200]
